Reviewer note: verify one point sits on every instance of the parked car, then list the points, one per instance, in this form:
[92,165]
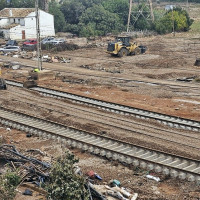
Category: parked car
[52,40]
[30,42]
[11,43]
[3,85]
[56,42]
[48,40]
[7,49]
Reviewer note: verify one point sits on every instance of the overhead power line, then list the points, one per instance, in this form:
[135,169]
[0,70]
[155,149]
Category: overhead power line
[133,16]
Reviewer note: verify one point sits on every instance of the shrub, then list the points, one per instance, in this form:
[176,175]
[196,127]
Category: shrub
[8,184]
[178,16]
[63,183]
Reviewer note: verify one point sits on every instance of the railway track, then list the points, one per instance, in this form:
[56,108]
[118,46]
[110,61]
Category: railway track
[171,121]
[107,121]
[168,164]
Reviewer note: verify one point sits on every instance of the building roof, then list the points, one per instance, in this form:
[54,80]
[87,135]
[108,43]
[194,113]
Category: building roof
[16,12]
[9,26]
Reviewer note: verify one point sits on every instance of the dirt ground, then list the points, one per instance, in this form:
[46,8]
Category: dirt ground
[147,81]
[131,178]
[94,73]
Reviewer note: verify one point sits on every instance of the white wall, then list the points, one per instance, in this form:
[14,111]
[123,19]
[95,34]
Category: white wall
[4,22]
[6,33]
[46,26]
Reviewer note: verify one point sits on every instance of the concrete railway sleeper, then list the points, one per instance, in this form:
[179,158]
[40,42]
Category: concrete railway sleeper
[168,164]
[171,121]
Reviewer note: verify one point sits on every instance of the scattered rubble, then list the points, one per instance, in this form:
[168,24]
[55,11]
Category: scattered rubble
[186,79]
[33,166]
[197,62]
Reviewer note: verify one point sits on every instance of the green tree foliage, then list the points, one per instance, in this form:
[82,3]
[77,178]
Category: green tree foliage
[90,3]
[8,184]
[59,19]
[3,4]
[72,11]
[195,1]
[98,21]
[64,184]
[178,17]
[99,17]
[22,4]
[119,7]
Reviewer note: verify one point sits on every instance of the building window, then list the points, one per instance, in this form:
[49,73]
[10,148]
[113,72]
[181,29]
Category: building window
[22,22]
[18,20]
[14,20]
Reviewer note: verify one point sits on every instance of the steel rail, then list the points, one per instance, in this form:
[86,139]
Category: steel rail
[169,120]
[128,127]
[168,164]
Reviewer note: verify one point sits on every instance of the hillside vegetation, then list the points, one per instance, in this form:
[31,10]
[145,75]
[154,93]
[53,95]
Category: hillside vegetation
[100,17]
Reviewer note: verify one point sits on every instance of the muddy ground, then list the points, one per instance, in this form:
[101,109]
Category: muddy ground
[91,72]
[147,81]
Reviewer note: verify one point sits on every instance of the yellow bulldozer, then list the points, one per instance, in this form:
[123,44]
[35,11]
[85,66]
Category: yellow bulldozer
[123,47]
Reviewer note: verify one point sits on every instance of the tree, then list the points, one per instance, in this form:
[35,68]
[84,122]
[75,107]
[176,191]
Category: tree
[3,4]
[59,19]
[72,11]
[22,3]
[98,21]
[119,7]
[179,17]
[63,183]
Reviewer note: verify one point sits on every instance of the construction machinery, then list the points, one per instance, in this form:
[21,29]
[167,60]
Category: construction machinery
[31,79]
[123,47]
[3,85]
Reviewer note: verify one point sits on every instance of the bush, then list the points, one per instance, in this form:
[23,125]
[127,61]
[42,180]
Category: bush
[63,183]
[178,16]
[8,184]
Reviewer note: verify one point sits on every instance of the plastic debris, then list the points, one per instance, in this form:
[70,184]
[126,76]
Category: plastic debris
[153,177]
[97,176]
[91,174]
[116,194]
[114,183]
[27,192]
[135,196]
[122,191]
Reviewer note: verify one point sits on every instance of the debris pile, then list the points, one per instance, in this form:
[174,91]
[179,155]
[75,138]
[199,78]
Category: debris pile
[34,168]
[197,62]
[108,192]
[33,56]
[56,59]
[30,167]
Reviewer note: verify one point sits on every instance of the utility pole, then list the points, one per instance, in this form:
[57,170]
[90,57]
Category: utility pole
[45,5]
[129,15]
[173,22]
[38,36]
[151,9]
[187,6]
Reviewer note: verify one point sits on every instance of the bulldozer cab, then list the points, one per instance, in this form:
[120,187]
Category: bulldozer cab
[125,40]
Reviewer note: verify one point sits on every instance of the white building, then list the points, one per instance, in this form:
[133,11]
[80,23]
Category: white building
[20,23]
